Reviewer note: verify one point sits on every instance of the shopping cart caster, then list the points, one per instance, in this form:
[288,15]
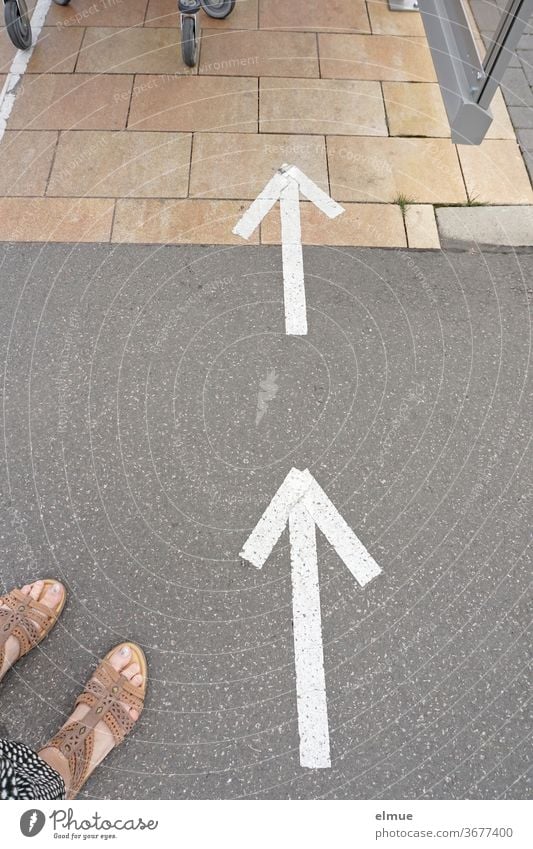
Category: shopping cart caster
[18,23]
[218,8]
[190,30]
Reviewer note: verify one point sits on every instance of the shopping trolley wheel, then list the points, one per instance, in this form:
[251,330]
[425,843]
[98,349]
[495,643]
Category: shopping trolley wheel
[218,8]
[18,23]
[189,40]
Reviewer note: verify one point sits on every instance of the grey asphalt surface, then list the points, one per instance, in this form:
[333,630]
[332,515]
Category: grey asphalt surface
[134,465]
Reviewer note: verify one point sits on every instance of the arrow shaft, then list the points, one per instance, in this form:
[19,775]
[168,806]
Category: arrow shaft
[293,261]
[308,649]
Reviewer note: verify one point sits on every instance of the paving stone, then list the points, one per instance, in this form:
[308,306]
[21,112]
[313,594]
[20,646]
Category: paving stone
[221,104]
[416,109]
[345,107]
[259,53]
[525,137]
[526,60]
[239,165]
[375,57]
[123,164]
[72,101]
[191,221]
[55,219]
[361,224]
[385,22]
[334,15]
[516,89]
[526,42]
[521,116]
[421,226]
[98,13]
[494,172]
[491,225]
[146,50]
[378,169]
[164,13]
[56,50]
[26,159]
[7,53]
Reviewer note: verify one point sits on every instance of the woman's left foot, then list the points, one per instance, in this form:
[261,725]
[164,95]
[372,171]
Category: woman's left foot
[26,617]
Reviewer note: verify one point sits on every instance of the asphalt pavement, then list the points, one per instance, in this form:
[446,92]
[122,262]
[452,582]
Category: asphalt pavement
[152,406]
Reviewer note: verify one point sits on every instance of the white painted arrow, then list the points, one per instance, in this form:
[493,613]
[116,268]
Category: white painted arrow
[302,503]
[286,186]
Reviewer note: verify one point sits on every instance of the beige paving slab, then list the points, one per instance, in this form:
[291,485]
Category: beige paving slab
[382,169]
[98,13]
[56,50]
[421,226]
[385,22]
[495,172]
[7,52]
[55,219]
[26,158]
[107,164]
[239,165]
[221,104]
[64,101]
[139,50]
[375,57]
[346,107]
[204,222]
[416,109]
[165,13]
[361,224]
[333,15]
[259,53]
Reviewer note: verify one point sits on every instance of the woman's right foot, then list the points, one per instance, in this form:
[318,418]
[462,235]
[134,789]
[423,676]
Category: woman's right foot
[48,593]
[67,752]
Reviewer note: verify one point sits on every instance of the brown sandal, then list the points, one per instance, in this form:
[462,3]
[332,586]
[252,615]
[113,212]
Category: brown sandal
[103,695]
[28,620]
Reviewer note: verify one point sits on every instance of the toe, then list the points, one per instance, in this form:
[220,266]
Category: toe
[120,658]
[137,680]
[36,590]
[131,670]
[53,595]
[26,589]
[134,714]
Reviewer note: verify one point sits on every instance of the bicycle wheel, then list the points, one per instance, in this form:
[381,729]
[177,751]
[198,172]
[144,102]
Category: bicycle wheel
[218,8]
[18,23]
[189,41]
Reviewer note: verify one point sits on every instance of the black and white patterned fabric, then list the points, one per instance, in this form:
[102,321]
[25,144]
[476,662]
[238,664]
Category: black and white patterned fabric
[24,775]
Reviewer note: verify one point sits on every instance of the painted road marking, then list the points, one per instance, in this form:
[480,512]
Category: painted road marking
[302,503]
[20,64]
[286,186]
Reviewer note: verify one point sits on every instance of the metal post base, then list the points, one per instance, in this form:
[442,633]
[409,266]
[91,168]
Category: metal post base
[403,5]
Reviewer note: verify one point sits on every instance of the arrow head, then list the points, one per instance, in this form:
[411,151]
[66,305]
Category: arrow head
[273,192]
[301,488]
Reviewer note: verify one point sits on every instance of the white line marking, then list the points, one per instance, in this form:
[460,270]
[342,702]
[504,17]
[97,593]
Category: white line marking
[261,206]
[339,535]
[271,524]
[308,651]
[293,261]
[304,504]
[311,191]
[20,64]
[286,186]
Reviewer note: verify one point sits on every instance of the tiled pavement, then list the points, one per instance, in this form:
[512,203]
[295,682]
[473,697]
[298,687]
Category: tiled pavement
[112,138]
[517,85]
